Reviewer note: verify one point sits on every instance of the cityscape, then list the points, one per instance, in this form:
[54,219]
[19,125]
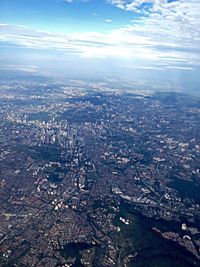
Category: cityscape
[87,171]
[99,133]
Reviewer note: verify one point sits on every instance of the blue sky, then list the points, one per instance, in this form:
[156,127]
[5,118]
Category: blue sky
[154,38]
[64,17]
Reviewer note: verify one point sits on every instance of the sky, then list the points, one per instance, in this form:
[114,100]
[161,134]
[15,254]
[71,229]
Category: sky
[138,39]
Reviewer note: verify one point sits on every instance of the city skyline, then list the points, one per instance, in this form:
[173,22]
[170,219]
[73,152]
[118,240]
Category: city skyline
[99,133]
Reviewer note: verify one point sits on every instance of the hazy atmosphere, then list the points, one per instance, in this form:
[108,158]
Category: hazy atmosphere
[155,41]
[100,133]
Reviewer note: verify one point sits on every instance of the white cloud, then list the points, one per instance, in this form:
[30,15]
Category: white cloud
[30,68]
[108,20]
[176,20]
[116,44]
[171,27]
[166,34]
[179,67]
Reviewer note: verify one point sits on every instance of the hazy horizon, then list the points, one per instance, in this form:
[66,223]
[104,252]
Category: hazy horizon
[134,40]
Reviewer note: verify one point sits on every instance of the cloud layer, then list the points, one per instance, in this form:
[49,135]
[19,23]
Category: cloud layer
[166,33]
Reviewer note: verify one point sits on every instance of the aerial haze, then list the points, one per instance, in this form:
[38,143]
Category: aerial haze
[99,133]
[150,41]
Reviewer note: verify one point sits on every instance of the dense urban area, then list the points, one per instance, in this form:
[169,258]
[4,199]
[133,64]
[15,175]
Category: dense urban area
[92,175]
